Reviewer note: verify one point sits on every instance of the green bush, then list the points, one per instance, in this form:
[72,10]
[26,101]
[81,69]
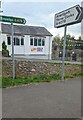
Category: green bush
[4,46]
[5,52]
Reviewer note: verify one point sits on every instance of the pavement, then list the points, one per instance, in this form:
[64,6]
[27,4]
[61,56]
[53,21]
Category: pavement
[57,99]
[41,60]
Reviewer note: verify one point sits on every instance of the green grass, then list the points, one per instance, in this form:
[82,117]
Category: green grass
[73,75]
[0,82]
[7,82]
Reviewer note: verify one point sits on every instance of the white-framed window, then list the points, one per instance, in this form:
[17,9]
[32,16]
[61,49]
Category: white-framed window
[37,41]
[0,4]
[18,40]
[8,40]
[43,42]
[22,40]
[31,41]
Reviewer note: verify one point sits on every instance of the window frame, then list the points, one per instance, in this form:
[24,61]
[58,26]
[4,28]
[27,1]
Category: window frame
[37,41]
[22,38]
[31,42]
[18,40]
[43,42]
[9,40]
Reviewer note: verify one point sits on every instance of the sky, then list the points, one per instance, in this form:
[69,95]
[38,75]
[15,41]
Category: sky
[42,14]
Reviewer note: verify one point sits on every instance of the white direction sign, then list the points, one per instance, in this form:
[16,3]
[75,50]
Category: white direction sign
[68,17]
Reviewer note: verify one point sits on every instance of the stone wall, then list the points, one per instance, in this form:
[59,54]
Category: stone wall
[28,68]
[79,55]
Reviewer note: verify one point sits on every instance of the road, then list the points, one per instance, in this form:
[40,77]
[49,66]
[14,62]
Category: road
[59,99]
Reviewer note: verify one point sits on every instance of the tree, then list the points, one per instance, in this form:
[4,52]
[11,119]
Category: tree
[79,38]
[57,41]
[70,42]
[79,44]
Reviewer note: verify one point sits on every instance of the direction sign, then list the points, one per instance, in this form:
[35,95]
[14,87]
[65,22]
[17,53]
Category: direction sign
[12,19]
[68,17]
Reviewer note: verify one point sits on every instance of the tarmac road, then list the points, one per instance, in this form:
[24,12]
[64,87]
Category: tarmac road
[43,100]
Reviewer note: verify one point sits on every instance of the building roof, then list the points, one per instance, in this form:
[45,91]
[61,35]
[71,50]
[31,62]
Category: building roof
[26,30]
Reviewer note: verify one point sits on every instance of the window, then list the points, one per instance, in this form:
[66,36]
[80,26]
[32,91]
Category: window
[43,42]
[35,41]
[0,4]
[16,41]
[31,41]
[39,42]
[22,41]
[8,40]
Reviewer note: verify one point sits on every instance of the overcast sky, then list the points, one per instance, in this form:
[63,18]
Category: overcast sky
[41,14]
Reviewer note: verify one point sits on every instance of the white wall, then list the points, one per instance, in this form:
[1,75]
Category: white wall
[27,39]
[2,38]
[49,46]
[26,48]
[0,27]
[17,49]
[0,34]
[44,54]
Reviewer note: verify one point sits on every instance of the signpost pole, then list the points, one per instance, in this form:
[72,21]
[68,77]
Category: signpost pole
[67,17]
[64,46]
[13,61]
[12,20]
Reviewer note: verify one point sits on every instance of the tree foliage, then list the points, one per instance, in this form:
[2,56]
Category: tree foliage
[70,41]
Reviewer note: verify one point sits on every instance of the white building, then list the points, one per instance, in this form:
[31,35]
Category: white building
[29,41]
[0,26]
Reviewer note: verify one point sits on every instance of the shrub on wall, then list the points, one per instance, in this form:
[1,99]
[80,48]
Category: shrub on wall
[5,52]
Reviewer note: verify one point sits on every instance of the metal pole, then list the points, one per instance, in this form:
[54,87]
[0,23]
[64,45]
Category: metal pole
[13,61]
[64,46]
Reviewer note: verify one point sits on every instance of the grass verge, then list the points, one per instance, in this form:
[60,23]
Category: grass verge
[0,81]
[7,82]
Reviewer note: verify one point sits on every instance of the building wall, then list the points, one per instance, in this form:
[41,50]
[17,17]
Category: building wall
[26,50]
[45,52]
[0,27]
[17,49]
